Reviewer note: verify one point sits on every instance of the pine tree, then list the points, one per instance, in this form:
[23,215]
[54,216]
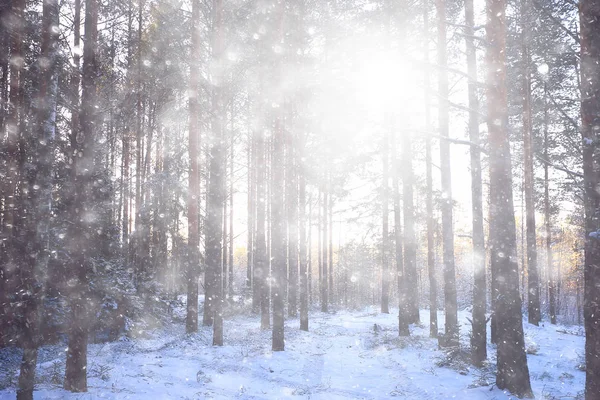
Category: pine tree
[512,370]
[590,117]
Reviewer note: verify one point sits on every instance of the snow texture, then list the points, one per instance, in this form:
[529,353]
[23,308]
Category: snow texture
[346,355]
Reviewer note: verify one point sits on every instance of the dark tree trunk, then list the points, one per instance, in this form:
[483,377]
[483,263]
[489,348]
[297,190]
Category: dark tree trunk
[231,172]
[433,320]
[303,242]
[193,259]
[404,310]
[385,272]
[261,262]
[251,217]
[533,287]
[216,196]
[330,242]
[512,370]
[39,197]
[324,284]
[410,239]
[292,207]
[552,292]
[478,336]
[450,302]
[83,204]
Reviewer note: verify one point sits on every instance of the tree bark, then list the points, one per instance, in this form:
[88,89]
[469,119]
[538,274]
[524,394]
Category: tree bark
[533,287]
[191,322]
[303,242]
[590,115]
[217,189]
[83,205]
[385,273]
[433,320]
[404,310]
[512,370]
[478,337]
[552,292]
[292,207]
[450,302]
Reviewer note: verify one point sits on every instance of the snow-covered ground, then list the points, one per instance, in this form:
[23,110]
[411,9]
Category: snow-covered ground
[346,355]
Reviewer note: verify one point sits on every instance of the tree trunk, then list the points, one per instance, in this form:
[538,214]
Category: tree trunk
[512,370]
[217,189]
[451,307]
[385,273]
[83,204]
[278,244]
[231,172]
[552,295]
[433,320]
[478,337]
[410,239]
[590,115]
[330,242]
[533,287]
[191,322]
[404,303]
[324,284]
[251,216]
[302,233]
[292,207]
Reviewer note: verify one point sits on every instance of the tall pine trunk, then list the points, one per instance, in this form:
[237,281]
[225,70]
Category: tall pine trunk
[404,309]
[552,292]
[512,370]
[590,115]
[478,336]
[193,259]
[304,264]
[385,273]
[433,319]
[216,196]
[533,287]
[450,302]
[76,366]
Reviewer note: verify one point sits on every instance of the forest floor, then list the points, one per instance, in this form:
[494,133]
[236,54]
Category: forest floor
[346,355]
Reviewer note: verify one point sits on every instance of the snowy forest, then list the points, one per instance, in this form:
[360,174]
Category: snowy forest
[267,199]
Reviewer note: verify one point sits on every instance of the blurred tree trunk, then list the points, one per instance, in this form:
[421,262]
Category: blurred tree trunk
[304,264]
[385,270]
[292,206]
[451,307]
[552,295]
[216,196]
[410,239]
[533,287]
[404,310]
[324,283]
[478,336]
[512,370]
[10,55]
[193,257]
[260,276]
[433,320]
[250,247]
[231,177]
